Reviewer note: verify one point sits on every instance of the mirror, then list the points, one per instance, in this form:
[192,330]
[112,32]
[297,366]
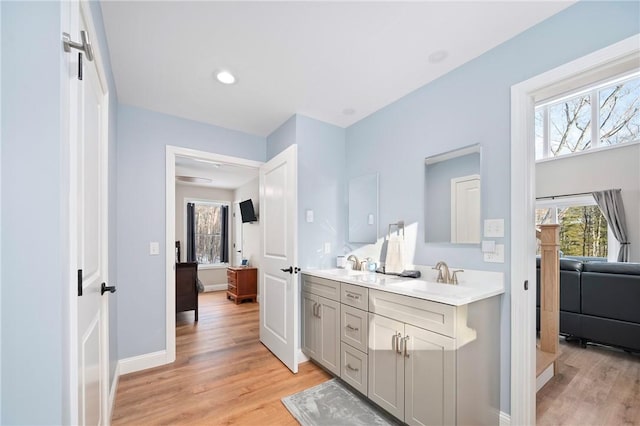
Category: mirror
[452,197]
[363,209]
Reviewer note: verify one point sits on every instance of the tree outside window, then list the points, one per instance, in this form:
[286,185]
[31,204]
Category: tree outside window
[208,229]
[570,125]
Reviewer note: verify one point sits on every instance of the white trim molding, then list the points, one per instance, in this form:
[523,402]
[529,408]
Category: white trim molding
[504,419]
[113,391]
[216,287]
[142,362]
[523,242]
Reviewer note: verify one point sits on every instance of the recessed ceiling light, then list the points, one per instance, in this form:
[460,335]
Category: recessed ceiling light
[348,111]
[225,77]
[438,56]
[193,179]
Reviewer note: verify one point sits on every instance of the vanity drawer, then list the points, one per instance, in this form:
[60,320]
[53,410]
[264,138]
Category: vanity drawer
[321,287]
[354,368]
[355,296]
[432,316]
[354,327]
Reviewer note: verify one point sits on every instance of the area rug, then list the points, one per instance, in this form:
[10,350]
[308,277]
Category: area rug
[332,403]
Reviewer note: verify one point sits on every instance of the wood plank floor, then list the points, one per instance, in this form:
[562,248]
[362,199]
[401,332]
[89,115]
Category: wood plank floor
[596,385]
[222,374]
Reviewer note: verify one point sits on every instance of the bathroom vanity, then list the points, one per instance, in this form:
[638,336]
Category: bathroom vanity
[427,353]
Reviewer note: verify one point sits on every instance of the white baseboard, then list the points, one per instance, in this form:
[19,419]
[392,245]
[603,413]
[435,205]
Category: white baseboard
[142,362]
[113,390]
[302,357]
[215,287]
[544,377]
[505,419]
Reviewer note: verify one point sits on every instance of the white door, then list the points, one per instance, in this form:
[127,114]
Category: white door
[465,209]
[237,235]
[89,118]
[279,312]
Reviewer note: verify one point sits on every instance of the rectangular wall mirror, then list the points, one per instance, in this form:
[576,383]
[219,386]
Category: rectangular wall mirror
[452,197]
[363,209]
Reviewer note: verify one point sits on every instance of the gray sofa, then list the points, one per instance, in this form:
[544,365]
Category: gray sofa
[599,302]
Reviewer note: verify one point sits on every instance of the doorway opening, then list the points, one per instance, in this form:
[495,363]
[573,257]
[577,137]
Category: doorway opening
[524,96]
[227,169]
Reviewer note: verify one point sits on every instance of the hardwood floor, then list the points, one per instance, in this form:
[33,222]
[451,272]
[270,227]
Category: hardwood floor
[222,374]
[596,385]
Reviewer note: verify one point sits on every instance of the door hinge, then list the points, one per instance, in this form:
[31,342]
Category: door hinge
[526,284]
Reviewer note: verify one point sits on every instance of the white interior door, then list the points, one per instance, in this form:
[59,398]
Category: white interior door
[279,312]
[465,209]
[237,235]
[89,118]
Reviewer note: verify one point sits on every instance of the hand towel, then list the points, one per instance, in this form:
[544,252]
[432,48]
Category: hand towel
[394,262]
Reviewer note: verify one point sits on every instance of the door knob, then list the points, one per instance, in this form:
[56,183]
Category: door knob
[107,288]
[289,269]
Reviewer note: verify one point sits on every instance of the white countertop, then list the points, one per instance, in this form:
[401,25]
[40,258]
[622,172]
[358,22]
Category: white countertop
[456,295]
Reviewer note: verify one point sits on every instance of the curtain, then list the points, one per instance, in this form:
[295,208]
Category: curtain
[224,234]
[191,232]
[610,203]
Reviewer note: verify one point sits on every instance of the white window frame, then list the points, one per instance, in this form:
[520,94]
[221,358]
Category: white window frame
[613,246]
[201,266]
[593,91]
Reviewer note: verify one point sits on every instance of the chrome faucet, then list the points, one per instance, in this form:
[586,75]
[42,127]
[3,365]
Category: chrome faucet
[444,275]
[356,263]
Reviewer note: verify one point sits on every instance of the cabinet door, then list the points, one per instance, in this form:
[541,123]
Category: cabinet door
[309,325]
[429,377]
[329,335]
[386,365]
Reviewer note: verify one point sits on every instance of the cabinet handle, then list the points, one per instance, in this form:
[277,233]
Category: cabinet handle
[352,368]
[352,328]
[405,344]
[399,344]
[353,296]
[315,305]
[394,342]
[319,307]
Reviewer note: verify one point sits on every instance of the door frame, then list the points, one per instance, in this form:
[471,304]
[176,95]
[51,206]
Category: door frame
[523,240]
[170,232]
[71,14]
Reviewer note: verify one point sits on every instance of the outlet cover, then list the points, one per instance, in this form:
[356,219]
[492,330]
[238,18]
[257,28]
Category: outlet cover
[154,248]
[497,256]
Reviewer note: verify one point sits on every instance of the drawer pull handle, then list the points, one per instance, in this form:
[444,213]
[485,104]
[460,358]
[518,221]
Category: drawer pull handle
[399,344]
[353,296]
[352,368]
[350,327]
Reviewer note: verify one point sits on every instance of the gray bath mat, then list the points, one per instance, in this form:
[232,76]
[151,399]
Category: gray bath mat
[332,404]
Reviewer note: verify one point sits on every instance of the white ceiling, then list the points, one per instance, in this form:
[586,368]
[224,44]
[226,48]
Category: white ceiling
[317,59]
[225,176]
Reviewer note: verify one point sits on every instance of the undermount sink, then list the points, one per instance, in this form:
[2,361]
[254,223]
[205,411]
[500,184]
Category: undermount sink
[431,287]
[339,272]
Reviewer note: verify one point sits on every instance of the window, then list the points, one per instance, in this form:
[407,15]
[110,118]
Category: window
[209,232]
[600,116]
[583,227]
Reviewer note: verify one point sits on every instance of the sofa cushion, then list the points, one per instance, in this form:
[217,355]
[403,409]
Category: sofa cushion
[569,284]
[611,290]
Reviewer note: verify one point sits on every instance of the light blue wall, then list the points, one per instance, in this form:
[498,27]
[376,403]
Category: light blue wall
[96,11]
[33,326]
[472,105]
[321,186]
[142,139]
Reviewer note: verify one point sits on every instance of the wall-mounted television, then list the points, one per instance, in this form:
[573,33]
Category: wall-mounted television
[247,212]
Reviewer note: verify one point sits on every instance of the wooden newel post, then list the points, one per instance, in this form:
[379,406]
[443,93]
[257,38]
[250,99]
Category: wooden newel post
[549,288]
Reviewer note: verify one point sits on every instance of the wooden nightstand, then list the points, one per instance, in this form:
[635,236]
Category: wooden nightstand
[243,283]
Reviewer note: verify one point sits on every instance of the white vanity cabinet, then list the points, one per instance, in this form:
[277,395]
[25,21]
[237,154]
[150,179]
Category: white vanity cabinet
[411,372]
[425,362]
[321,322]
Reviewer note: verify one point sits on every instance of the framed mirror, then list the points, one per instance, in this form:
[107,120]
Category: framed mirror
[452,197]
[363,209]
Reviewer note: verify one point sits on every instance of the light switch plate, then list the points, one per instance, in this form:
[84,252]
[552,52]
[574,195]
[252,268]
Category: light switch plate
[154,248]
[497,256]
[494,228]
[327,248]
[488,246]
[309,216]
